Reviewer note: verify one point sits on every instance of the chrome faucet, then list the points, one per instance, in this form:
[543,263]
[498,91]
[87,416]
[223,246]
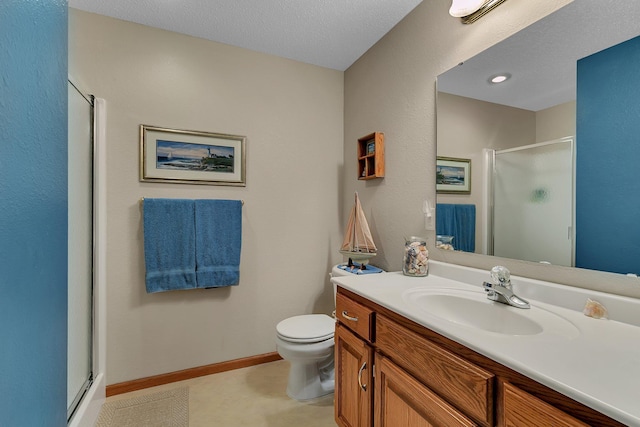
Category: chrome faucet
[501,290]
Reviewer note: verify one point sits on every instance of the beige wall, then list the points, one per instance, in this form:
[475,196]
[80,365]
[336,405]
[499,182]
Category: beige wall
[465,128]
[292,115]
[556,122]
[392,89]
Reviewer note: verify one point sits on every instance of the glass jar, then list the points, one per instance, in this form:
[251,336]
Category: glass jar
[416,257]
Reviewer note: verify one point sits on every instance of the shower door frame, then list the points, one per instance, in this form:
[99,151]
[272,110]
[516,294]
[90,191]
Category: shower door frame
[87,352]
[489,161]
[89,406]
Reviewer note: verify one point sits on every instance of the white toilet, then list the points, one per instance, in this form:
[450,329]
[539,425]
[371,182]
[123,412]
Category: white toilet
[306,341]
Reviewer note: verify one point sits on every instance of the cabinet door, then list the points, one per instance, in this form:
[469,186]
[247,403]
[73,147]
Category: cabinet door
[460,382]
[524,410]
[402,401]
[354,379]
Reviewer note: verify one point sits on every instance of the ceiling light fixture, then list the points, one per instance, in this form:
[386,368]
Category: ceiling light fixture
[470,11]
[499,78]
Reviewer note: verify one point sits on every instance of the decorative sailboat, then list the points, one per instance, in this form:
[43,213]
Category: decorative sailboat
[358,244]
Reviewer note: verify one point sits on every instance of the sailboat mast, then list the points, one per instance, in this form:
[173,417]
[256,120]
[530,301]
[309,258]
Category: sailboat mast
[354,239]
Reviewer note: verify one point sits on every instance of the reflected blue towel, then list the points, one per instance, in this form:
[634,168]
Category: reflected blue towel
[169,244]
[218,242]
[459,221]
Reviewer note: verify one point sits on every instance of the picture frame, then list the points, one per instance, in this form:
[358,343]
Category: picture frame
[191,157]
[453,175]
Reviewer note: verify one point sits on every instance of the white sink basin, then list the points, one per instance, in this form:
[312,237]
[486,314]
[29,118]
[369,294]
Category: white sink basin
[472,309]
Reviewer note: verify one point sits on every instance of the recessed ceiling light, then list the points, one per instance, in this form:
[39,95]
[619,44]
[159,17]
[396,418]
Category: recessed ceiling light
[499,78]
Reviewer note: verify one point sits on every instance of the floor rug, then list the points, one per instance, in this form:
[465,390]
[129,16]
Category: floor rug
[163,409]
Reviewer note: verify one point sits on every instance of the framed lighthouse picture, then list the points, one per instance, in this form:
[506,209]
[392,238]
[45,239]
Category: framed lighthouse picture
[191,157]
[453,175]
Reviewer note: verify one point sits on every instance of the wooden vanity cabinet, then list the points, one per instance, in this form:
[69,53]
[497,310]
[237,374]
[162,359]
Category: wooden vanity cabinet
[357,317]
[353,363]
[425,379]
[353,379]
[520,409]
[401,400]
[467,386]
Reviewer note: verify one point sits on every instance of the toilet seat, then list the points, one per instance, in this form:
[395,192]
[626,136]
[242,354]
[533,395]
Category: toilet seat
[306,328]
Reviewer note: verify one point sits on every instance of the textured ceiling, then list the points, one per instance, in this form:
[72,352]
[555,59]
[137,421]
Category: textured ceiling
[542,58]
[328,33]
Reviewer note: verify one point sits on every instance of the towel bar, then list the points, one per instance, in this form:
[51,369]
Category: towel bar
[142,200]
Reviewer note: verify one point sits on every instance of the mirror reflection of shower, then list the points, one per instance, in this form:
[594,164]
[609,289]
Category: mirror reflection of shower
[530,201]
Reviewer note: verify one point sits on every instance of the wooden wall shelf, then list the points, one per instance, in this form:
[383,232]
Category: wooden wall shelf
[371,156]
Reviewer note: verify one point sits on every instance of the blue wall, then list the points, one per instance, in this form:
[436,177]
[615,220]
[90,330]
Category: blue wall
[608,160]
[33,213]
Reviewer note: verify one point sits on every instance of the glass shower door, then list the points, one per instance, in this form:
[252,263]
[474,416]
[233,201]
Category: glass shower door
[80,248]
[533,203]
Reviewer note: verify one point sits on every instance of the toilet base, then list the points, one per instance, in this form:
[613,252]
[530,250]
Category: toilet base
[311,380]
[311,372]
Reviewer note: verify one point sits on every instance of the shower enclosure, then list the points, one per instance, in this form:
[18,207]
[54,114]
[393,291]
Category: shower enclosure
[530,200]
[80,248]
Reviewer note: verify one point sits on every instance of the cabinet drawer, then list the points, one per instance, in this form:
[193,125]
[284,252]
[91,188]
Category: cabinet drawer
[355,316]
[465,385]
[524,410]
[403,401]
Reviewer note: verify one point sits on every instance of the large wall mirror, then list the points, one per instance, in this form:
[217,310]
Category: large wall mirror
[542,167]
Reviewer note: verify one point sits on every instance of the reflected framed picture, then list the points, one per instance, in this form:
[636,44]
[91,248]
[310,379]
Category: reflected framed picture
[453,176]
[191,157]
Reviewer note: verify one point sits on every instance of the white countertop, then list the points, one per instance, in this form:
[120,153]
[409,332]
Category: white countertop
[597,362]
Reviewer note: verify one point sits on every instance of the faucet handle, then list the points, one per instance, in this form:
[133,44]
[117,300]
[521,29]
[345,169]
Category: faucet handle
[501,275]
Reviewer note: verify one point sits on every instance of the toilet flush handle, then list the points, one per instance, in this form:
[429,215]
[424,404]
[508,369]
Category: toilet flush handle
[345,314]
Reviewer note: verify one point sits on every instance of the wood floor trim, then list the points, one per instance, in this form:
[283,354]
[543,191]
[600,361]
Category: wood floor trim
[187,374]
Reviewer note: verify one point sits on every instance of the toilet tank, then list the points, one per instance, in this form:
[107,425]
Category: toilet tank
[337,272]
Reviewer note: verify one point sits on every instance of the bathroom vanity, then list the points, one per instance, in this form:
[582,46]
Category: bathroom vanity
[434,351]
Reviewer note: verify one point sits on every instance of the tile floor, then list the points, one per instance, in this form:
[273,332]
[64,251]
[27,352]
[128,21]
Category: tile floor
[251,397]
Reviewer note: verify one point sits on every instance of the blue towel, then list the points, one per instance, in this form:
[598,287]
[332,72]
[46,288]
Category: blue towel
[459,221]
[218,242]
[169,244]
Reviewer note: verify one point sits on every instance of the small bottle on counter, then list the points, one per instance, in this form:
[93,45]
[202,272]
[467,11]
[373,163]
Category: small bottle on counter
[416,257]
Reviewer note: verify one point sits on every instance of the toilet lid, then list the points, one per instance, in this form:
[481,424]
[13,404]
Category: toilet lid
[306,328]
